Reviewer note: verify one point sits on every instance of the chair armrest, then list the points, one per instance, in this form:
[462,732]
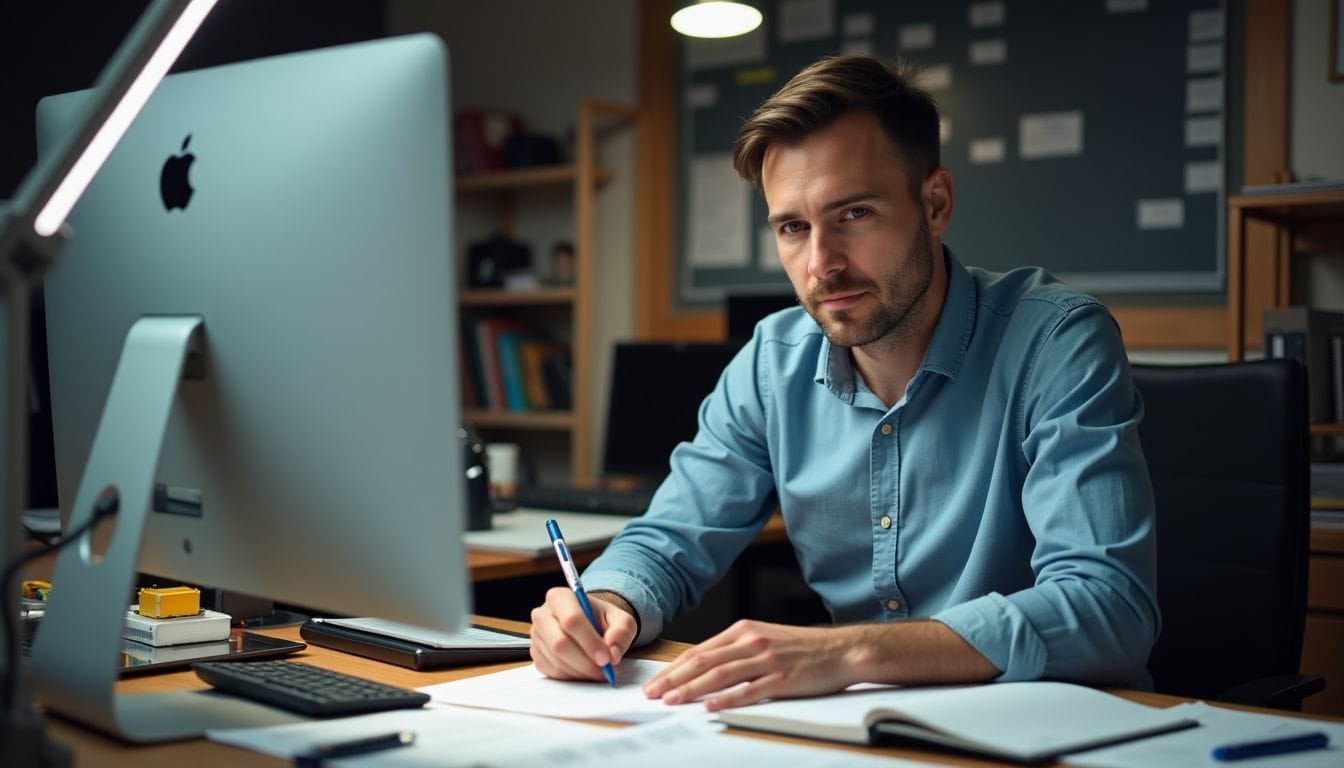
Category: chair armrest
[1277,691]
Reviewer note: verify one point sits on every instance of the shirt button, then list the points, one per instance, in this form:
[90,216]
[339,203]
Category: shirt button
[886,429]
[885,521]
[893,605]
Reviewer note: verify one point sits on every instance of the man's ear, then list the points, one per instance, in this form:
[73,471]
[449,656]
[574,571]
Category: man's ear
[936,194]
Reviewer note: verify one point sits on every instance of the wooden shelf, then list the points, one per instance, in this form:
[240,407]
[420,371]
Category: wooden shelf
[497,297]
[523,178]
[1291,208]
[1328,428]
[565,313]
[550,420]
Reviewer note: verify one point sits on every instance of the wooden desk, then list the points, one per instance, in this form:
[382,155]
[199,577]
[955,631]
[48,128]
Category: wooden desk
[1323,638]
[487,566]
[93,750]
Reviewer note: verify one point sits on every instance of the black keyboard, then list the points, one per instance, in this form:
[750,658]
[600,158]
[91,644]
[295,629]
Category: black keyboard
[306,689]
[605,501]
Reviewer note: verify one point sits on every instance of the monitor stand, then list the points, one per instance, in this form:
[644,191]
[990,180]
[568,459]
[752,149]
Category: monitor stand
[77,645]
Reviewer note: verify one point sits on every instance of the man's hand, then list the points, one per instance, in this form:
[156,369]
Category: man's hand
[565,645]
[775,661]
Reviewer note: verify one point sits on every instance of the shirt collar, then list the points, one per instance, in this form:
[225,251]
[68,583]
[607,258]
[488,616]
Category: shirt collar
[947,349]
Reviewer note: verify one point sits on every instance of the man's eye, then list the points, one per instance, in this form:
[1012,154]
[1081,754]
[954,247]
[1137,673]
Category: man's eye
[790,227]
[856,213]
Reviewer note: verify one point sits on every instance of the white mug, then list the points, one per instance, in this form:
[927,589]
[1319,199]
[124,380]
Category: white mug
[502,461]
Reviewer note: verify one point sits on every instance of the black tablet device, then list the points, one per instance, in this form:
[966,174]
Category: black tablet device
[138,658]
[500,646]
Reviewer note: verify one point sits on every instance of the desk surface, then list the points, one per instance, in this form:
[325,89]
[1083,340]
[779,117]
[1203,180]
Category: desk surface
[487,566]
[92,749]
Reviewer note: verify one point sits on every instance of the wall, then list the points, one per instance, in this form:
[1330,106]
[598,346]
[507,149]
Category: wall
[538,59]
[1317,118]
[1316,130]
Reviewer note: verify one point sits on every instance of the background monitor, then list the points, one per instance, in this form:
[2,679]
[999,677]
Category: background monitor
[301,207]
[656,391]
[744,310]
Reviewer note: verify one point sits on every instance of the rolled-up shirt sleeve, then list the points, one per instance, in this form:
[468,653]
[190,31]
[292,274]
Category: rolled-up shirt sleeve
[1091,614]
[717,496]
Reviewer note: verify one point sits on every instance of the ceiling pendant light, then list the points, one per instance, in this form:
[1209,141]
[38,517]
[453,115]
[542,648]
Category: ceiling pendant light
[716,18]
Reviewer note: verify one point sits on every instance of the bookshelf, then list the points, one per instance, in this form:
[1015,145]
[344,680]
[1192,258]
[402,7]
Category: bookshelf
[564,314]
[1307,216]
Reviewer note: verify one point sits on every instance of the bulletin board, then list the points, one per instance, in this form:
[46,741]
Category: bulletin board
[1084,136]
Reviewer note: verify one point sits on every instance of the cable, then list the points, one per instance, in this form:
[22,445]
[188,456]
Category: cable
[107,504]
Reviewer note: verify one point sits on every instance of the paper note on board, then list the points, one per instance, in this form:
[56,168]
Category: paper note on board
[719,203]
[1161,213]
[1050,134]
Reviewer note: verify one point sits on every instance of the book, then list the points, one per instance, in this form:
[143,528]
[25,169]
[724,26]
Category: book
[1023,722]
[414,647]
[207,626]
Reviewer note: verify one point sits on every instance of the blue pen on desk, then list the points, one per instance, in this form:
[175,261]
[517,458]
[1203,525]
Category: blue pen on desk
[1277,746]
[572,576]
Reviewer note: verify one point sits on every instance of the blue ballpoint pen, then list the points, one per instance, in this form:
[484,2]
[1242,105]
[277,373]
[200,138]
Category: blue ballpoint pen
[1273,746]
[572,576]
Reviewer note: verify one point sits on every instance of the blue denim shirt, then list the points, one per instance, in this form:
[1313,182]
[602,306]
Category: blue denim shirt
[1005,495]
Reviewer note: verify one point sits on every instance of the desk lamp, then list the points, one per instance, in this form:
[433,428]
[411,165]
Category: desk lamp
[32,232]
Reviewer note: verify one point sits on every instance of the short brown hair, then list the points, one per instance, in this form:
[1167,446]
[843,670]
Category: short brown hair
[835,86]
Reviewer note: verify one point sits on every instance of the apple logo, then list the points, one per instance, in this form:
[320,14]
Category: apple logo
[174,184]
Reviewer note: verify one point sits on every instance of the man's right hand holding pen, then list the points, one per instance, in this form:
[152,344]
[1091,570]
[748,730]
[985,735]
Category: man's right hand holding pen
[565,645]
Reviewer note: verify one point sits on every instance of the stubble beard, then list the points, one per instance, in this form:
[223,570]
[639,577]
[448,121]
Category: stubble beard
[896,318]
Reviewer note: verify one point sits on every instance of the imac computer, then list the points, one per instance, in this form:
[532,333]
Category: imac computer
[252,347]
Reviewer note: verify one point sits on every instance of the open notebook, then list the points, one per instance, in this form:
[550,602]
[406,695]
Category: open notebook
[1025,722]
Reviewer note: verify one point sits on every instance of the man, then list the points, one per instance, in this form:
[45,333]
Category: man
[954,451]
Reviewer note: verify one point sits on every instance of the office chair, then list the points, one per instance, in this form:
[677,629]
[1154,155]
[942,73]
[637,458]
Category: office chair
[1227,448]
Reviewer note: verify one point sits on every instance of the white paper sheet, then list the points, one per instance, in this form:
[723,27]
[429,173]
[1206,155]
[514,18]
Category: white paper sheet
[1050,134]
[935,77]
[678,742]
[986,52]
[1193,747]
[858,47]
[1206,25]
[719,203]
[767,251]
[806,20]
[1204,94]
[857,24]
[915,37]
[1207,57]
[988,150]
[1126,6]
[1204,131]
[526,690]
[989,14]
[1203,177]
[445,736]
[1161,213]
[709,53]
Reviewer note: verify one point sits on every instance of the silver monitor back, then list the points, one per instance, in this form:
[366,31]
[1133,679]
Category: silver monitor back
[316,246]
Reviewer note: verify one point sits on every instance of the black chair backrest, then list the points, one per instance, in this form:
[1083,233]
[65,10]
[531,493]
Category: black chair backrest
[1227,446]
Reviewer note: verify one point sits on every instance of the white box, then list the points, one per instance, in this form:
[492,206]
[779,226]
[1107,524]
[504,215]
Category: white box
[205,627]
